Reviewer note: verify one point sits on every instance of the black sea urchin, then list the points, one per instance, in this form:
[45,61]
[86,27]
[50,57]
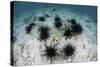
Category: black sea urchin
[68,33]
[51,53]
[41,18]
[68,50]
[44,32]
[57,22]
[47,15]
[73,21]
[76,28]
[29,28]
[53,10]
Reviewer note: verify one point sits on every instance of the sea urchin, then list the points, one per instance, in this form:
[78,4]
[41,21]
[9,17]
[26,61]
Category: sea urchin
[51,53]
[76,27]
[41,18]
[29,28]
[68,33]
[44,32]
[57,22]
[68,50]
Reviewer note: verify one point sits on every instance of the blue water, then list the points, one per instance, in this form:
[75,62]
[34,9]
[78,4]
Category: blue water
[20,7]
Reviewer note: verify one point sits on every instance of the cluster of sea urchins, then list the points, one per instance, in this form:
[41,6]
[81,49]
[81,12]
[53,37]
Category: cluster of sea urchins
[51,51]
[75,29]
[68,50]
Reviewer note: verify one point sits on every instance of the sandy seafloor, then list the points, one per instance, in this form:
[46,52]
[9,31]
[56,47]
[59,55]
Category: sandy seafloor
[27,48]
